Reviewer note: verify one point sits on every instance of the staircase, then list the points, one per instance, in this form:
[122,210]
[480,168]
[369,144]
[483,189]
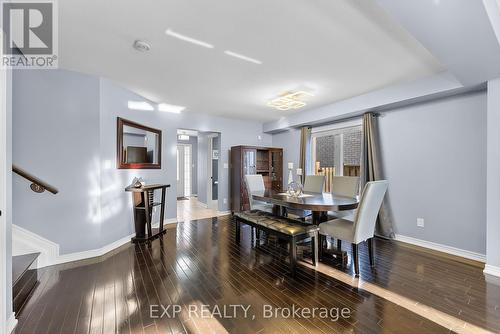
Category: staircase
[24,279]
[24,267]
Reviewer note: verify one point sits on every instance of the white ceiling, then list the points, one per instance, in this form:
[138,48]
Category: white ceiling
[335,49]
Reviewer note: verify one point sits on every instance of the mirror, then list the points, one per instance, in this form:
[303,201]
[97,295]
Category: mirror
[138,146]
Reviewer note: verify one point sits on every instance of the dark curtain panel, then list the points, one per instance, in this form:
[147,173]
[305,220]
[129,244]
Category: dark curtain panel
[305,151]
[371,170]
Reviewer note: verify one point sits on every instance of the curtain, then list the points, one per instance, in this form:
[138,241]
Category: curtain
[371,170]
[305,151]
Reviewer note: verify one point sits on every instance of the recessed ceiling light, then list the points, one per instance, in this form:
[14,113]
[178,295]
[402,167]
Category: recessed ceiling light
[243,57]
[170,108]
[140,105]
[185,38]
[142,46]
[290,100]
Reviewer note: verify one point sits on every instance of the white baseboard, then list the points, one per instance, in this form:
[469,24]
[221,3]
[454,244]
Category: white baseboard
[492,270]
[25,242]
[442,248]
[93,252]
[11,324]
[223,213]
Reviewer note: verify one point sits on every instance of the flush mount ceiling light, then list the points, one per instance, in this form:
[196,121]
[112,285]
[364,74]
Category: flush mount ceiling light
[141,46]
[188,39]
[140,105]
[290,100]
[242,57]
[170,108]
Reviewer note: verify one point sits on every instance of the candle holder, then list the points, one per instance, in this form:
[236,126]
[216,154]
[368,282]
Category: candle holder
[290,173]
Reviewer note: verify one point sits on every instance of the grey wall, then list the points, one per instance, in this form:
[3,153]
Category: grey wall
[434,156]
[289,141]
[435,160]
[56,138]
[493,174]
[73,119]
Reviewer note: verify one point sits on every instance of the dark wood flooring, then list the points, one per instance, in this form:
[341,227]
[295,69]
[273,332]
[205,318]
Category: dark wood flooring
[199,264]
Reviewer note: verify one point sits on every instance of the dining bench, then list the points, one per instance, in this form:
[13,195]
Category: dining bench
[291,230]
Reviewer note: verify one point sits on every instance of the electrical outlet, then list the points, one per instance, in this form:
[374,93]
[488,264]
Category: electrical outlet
[225,200]
[420,222]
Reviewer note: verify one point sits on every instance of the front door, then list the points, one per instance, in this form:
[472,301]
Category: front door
[184,168]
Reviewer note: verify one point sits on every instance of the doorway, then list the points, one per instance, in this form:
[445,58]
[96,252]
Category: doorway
[184,171]
[213,171]
[197,174]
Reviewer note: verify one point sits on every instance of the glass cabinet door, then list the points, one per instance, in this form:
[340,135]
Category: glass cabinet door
[277,169]
[249,162]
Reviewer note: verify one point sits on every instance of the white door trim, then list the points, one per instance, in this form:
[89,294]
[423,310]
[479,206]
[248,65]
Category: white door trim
[209,171]
[7,319]
[180,170]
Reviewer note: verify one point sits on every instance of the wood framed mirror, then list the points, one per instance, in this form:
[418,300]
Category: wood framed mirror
[138,146]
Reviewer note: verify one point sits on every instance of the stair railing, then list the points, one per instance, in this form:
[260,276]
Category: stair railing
[37,185]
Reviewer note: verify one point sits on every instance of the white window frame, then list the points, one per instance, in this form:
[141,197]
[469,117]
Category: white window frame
[331,129]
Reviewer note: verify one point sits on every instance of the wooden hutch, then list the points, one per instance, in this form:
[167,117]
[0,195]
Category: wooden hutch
[266,161]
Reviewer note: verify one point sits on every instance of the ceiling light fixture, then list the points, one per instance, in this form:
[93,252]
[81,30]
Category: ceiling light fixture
[185,38]
[290,100]
[242,57]
[183,137]
[140,105]
[141,46]
[170,108]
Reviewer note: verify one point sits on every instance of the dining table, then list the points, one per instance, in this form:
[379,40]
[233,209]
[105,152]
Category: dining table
[318,203]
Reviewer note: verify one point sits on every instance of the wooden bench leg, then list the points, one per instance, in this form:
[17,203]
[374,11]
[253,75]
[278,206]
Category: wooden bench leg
[321,242]
[238,225]
[293,255]
[314,245]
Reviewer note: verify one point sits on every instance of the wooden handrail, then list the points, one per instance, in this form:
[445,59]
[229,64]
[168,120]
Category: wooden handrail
[37,185]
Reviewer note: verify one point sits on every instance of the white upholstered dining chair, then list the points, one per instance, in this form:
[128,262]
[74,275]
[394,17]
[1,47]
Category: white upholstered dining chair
[363,227]
[347,186]
[314,183]
[255,183]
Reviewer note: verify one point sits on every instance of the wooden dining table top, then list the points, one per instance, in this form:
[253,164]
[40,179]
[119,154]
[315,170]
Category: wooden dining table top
[319,202]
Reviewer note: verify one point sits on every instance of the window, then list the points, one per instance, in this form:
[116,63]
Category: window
[336,151]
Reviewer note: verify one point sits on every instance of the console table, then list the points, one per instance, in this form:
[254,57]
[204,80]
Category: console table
[143,203]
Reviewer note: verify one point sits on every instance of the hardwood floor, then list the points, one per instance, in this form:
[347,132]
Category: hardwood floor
[200,264]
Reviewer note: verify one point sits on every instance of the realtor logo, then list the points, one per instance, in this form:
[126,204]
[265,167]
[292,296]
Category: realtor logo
[30,39]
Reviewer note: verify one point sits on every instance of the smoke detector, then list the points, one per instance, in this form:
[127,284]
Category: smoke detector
[142,46]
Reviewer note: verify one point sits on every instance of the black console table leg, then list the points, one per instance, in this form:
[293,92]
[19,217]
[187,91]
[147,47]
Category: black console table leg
[145,198]
[162,210]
